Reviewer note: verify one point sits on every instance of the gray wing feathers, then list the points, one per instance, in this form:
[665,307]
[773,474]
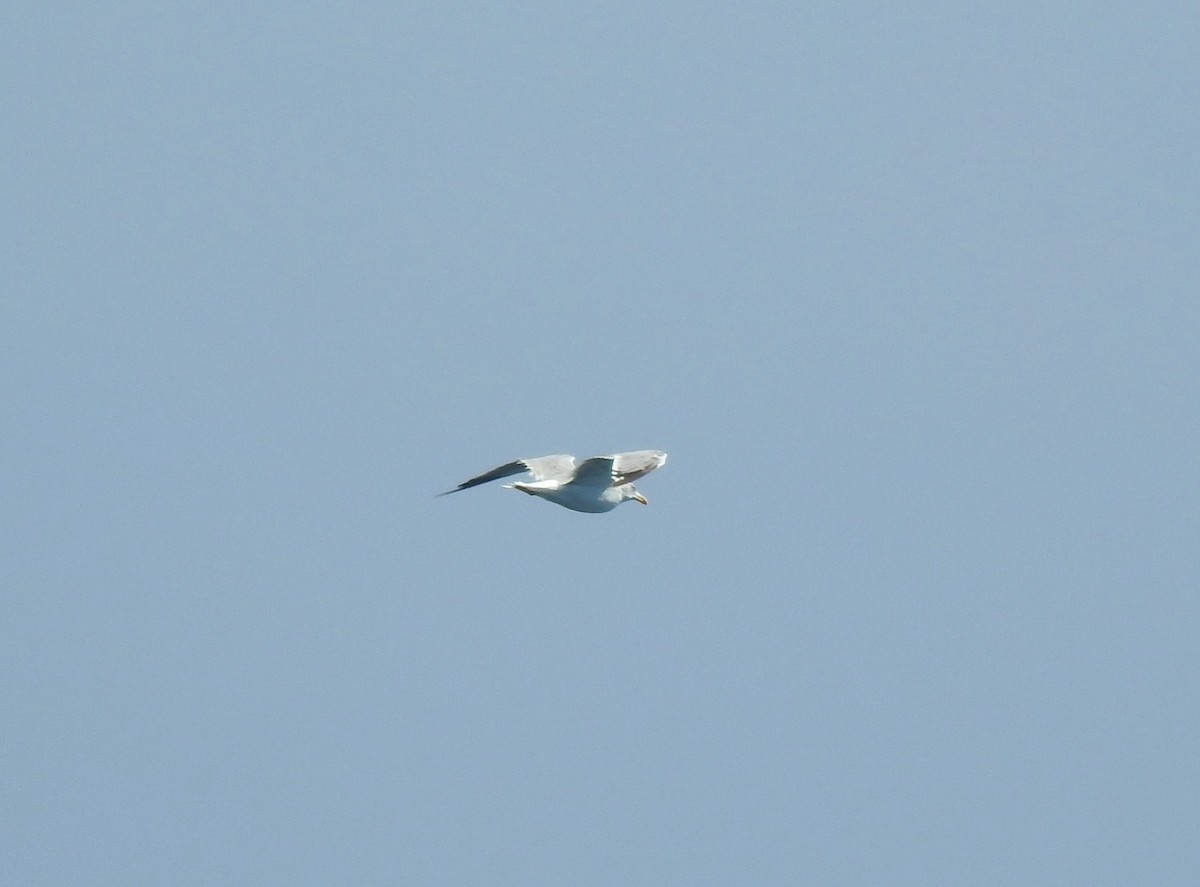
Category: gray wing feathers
[542,468]
[630,466]
[597,472]
[551,467]
[495,474]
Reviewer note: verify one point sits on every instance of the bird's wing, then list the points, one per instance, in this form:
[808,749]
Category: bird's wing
[542,468]
[495,474]
[551,467]
[595,472]
[630,466]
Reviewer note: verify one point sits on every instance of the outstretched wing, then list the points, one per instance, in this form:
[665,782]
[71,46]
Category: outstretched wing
[596,472]
[628,467]
[542,468]
[551,467]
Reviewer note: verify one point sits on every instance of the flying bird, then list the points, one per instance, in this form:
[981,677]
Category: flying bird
[594,485]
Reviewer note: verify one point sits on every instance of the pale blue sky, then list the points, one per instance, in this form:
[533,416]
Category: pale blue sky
[908,291]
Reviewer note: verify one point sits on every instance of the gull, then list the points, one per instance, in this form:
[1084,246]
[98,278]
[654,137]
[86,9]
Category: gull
[594,485]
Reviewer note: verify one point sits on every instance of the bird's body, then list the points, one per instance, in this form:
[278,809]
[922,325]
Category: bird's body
[594,485]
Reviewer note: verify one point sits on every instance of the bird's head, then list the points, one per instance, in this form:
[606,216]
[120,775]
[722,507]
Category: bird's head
[629,491]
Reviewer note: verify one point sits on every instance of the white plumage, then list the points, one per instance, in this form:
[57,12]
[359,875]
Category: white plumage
[595,485]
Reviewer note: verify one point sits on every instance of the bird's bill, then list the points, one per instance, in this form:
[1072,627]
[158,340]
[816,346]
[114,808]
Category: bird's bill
[641,498]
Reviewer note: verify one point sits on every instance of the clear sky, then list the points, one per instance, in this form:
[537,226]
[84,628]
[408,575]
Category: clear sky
[910,292]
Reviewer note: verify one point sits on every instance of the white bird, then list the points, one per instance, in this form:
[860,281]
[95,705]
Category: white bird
[596,485]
